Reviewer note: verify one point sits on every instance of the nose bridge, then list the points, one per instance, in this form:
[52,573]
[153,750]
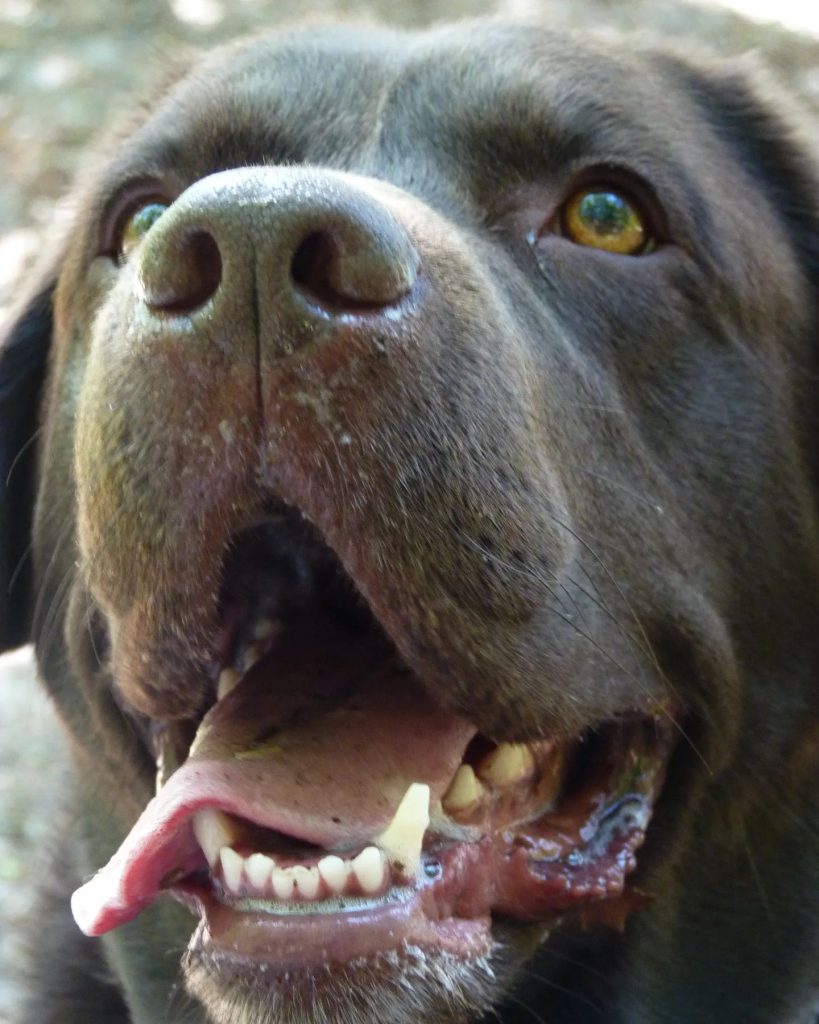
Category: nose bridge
[289,237]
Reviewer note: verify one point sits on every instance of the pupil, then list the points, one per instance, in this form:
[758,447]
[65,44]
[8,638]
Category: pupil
[605,212]
[147,217]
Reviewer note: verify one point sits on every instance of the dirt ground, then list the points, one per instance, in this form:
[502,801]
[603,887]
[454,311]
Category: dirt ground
[68,68]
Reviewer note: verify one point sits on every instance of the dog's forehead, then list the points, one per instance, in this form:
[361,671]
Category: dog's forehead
[335,95]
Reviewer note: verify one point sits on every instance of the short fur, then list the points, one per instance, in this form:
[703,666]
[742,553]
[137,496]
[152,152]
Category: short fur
[593,480]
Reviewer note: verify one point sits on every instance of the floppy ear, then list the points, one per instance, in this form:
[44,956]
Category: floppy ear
[23,357]
[774,139]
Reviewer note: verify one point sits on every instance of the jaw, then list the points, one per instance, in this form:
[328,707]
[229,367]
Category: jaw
[343,838]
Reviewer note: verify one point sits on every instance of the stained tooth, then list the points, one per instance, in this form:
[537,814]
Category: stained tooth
[232,864]
[401,840]
[307,881]
[264,629]
[213,830]
[465,791]
[507,765]
[259,868]
[250,657]
[369,869]
[335,872]
[228,678]
[283,882]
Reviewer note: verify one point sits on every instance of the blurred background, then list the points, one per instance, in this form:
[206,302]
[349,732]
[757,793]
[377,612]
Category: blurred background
[68,68]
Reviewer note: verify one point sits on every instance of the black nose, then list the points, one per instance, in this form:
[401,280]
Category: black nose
[310,240]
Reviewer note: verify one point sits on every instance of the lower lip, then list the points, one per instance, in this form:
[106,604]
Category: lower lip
[291,941]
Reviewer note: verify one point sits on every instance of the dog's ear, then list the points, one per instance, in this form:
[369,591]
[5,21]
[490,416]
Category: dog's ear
[774,139]
[23,356]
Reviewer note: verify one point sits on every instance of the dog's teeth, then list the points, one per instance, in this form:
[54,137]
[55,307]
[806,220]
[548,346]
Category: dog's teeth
[228,678]
[283,882]
[369,869]
[464,793]
[232,865]
[250,657]
[307,881]
[259,868]
[401,840]
[213,830]
[507,765]
[264,629]
[335,872]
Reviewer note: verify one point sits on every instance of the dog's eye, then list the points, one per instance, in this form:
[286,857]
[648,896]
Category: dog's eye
[607,219]
[137,225]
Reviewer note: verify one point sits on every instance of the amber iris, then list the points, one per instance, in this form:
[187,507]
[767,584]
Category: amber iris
[138,225]
[605,220]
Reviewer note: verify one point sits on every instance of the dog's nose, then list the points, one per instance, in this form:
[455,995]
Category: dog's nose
[310,239]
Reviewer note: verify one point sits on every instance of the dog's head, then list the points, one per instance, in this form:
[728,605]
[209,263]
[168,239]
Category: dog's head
[425,489]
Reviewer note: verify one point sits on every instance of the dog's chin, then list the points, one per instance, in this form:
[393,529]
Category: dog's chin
[401,987]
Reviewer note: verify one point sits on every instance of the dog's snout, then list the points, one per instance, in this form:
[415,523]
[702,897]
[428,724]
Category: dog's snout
[309,244]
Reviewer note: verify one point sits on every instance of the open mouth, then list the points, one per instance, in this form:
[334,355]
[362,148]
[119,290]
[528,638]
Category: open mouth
[328,808]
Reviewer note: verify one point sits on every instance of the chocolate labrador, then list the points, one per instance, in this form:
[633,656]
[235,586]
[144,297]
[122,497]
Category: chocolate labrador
[419,538]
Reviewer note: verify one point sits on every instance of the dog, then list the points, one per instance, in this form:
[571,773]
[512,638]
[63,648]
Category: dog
[411,492]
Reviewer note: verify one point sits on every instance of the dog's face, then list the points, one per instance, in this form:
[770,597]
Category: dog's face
[425,494]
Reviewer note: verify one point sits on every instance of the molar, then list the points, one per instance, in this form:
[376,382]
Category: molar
[464,793]
[507,765]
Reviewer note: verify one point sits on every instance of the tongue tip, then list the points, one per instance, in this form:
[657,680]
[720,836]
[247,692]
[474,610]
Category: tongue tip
[96,908]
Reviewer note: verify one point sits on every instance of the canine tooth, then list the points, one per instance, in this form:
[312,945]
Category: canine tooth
[335,872]
[228,678]
[369,869]
[401,840]
[507,765]
[232,864]
[307,881]
[213,830]
[259,868]
[464,792]
[283,883]
[250,657]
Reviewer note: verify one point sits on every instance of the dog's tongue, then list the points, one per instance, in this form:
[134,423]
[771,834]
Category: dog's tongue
[320,741]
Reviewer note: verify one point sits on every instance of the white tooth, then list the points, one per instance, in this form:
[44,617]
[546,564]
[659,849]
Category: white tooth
[283,883]
[228,678]
[369,869]
[335,872]
[507,765]
[307,881]
[250,657]
[259,868]
[213,830]
[401,840]
[232,864]
[464,792]
[264,629]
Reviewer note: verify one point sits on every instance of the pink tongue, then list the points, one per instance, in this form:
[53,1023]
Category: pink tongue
[320,742]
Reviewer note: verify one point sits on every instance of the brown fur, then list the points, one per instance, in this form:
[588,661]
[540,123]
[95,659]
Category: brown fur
[568,484]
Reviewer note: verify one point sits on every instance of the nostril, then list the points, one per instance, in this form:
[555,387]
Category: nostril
[188,279]
[310,268]
[342,274]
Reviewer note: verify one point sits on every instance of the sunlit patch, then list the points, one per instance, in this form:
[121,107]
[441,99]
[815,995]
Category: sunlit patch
[202,13]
